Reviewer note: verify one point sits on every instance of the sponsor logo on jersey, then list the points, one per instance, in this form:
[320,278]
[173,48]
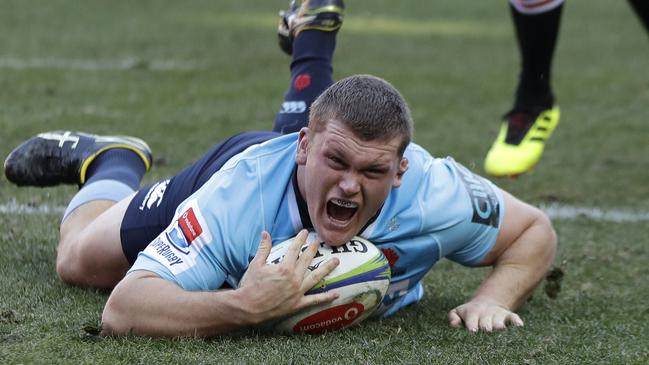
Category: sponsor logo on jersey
[177,237]
[391,255]
[154,195]
[164,250]
[486,209]
[190,226]
[184,230]
[179,245]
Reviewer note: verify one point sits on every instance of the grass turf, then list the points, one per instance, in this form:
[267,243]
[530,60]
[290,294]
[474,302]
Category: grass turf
[184,75]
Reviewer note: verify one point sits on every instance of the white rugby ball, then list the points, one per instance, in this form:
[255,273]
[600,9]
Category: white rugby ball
[361,279]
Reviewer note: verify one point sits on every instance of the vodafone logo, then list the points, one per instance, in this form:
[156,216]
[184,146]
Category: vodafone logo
[351,314]
[189,225]
[330,319]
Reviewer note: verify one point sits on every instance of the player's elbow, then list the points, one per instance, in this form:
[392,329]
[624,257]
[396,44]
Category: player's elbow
[110,323]
[115,318]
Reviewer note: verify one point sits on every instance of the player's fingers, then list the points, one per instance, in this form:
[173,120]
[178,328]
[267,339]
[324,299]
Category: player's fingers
[454,319]
[471,321]
[499,321]
[315,276]
[485,322]
[306,257]
[263,251]
[294,248]
[315,299]
[514,320]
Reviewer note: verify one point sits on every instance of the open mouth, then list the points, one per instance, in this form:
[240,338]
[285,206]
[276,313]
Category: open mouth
[341,210]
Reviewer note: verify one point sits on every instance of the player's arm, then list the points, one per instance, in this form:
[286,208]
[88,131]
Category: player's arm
[144,303]
[524,251]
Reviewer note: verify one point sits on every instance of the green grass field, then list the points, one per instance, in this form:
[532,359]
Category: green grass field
[183,75]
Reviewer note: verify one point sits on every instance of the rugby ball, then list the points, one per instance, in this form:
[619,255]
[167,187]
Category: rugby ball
[361,279]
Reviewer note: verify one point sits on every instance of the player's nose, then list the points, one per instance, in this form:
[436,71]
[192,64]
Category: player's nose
[350,183]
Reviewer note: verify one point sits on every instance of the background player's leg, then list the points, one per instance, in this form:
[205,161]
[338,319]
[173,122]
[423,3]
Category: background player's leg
[311,64]
[536,35]
[641,8]
[534,116]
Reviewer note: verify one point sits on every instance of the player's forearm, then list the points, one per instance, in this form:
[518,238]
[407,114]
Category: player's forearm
[146,305]
[521,267]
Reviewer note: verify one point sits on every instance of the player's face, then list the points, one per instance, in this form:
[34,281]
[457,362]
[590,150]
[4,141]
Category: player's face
[345,180]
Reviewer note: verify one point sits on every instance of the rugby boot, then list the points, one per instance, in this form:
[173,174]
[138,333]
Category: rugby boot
[324,15]
[521,141]
[63,157]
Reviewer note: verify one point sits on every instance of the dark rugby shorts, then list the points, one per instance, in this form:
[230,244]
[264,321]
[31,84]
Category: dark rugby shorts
[154,206]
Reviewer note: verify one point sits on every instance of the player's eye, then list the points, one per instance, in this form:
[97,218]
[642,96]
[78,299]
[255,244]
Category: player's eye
[375,172]
[335,161]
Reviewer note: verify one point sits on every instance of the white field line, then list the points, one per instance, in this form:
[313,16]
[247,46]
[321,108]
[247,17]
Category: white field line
[13,207]
[126,63]
[563,212]
[555,211]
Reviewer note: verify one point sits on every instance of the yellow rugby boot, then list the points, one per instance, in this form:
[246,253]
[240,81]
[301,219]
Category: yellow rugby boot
[521,141]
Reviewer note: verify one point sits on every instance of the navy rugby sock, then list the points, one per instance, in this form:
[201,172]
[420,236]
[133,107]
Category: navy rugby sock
[113,175]
[117,164]
[311,74]
[537,38]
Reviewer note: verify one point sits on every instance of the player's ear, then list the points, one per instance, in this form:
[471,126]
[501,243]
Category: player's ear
[302,145]
[403,167]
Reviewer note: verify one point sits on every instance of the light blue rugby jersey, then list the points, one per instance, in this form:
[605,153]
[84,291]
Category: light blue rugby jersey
[440,210]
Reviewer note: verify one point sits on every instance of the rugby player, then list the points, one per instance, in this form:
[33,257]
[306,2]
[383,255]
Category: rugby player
[177,251]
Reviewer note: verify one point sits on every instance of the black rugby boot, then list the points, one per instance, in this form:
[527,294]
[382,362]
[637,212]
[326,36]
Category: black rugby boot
[324,15]
[63,157]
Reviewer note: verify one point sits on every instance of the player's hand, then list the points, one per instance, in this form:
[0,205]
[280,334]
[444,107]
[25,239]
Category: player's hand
[270,291]
[484,316]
